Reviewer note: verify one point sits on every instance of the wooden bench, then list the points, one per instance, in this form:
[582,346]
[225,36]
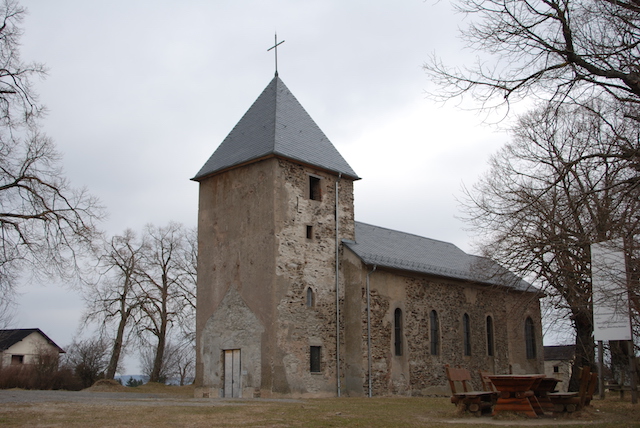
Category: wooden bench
[487,385]
[569,402]
[466,399]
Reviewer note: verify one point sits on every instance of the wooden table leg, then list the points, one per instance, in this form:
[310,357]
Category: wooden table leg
[518,402]
[537,407]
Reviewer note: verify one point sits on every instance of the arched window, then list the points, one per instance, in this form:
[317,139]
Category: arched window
[466,331]
[435,333]
[490,336]
[530,338]
[397,318]
[310,297]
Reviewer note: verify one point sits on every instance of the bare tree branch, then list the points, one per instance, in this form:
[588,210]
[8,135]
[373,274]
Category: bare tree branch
[547,49]
[44,222]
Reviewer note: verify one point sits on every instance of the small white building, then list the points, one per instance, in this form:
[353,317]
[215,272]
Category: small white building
[558,361]
[22,346]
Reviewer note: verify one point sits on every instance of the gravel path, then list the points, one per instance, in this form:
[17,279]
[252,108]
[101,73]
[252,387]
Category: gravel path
[18,396]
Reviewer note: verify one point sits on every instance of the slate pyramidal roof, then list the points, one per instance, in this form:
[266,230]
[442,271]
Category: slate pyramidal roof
[276,125]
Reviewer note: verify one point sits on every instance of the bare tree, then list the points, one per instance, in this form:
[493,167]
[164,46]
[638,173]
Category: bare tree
[549,194]
[88,359]
[188,263]
[178,361]
[549,49]
[572,173]
[166,289]
[113,300]
[43,221]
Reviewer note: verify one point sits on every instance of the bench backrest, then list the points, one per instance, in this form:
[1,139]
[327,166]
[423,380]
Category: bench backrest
[593,383]
[588,383]
[457,374]
[487,385]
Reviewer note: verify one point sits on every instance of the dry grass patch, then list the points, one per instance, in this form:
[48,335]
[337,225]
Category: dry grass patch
[178,409]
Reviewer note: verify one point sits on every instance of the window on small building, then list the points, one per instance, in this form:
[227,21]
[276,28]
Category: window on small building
[490,336]
[314,359]
[17,360]
[435,333]
[310,297]
[397,318]
[466,331]
[309,232]
[314,188]
[556,369]
[530,338]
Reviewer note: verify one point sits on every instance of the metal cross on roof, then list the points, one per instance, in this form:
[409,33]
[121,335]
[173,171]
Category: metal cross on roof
[275,47]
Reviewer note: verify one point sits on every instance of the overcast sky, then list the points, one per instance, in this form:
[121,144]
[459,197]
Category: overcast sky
[141,93]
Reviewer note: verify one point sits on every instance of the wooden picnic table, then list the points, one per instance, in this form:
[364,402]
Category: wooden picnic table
[516,394]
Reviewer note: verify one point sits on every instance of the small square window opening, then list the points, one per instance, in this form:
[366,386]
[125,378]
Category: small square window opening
[314,188]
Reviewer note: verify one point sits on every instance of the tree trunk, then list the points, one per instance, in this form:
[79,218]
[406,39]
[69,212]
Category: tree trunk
[117,347]
[585,350]
[156,372]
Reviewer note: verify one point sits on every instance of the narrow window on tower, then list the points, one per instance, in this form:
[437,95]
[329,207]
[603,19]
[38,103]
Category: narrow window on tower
[314,359]
[310,298]
[314,188]
[309,232]
[398,332]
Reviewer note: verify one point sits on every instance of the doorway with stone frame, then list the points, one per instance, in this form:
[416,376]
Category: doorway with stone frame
[232,384]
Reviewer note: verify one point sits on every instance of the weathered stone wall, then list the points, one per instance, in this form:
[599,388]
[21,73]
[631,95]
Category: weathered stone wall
[236,247]
[518,309]
[417,372]
[232,326]
[253,241]
[309,262]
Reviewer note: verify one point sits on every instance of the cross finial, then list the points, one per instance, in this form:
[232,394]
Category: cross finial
[275,47]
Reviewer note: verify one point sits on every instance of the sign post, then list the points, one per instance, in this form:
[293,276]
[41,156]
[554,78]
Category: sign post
[611,315]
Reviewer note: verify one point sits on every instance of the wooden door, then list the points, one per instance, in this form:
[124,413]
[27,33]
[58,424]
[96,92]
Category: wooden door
[232,387]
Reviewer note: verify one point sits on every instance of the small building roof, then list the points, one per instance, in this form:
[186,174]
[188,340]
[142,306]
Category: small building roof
[276,125]
[393,249]
[559,352]
[8,338]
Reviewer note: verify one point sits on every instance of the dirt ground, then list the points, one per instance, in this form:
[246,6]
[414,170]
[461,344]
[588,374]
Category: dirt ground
[161,406]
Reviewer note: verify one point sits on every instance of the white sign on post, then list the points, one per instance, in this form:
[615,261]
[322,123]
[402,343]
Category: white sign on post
[611,319]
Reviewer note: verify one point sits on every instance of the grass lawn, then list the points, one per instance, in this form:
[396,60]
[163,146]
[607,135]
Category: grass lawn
[177,408]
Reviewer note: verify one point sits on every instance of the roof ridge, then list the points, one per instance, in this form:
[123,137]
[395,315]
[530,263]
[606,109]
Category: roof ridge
[415,235]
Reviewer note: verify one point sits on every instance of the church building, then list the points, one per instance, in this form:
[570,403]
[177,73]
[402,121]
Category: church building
[297,299]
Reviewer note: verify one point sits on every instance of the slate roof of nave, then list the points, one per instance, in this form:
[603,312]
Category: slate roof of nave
[404,251]
[276,125]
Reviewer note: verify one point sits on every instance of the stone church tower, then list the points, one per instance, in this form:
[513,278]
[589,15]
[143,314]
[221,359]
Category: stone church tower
[268,254]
